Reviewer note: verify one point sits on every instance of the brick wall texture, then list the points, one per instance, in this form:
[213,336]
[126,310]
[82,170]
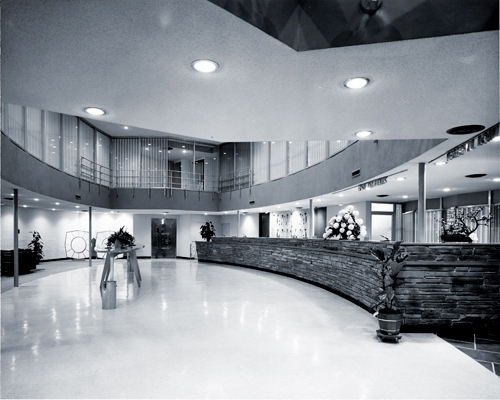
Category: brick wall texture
[442,285]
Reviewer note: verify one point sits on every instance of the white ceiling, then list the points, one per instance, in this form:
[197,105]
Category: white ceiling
[133,58]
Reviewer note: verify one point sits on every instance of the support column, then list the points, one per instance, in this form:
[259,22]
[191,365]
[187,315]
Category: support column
[421,203]
[91,247]
[311,220]
[490,212]
[238,224]
[16,238]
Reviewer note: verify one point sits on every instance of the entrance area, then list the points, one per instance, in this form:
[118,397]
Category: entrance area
[163,238]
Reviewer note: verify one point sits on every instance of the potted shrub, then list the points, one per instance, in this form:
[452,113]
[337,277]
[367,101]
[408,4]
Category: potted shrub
[207,231]
[392,260]
[120,239]
[36,247]
[463,225]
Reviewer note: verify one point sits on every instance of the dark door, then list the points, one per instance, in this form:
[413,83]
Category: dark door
[163,238]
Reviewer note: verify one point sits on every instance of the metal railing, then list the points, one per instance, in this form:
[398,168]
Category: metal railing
[140,179]
[235,180]
[93,172]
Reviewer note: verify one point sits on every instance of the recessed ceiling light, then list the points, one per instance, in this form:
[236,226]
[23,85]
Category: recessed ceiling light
[401,178]
[279,206]
[440,163]
[405,196]
[341,194]
[446,189]
[363,133]
[465,129]
[356,83]
[53,209]
[496,180]
[125,127]
[36,199]
[94,111]
[25,206]
[77,206]
[205,66]
[319,199]
[496,139]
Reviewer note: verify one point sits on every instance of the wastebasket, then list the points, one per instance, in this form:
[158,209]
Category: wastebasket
[108,295]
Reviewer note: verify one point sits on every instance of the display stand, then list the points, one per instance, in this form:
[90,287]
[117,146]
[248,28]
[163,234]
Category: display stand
[108,284]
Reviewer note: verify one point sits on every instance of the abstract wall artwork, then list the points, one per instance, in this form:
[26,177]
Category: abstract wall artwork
[289,224]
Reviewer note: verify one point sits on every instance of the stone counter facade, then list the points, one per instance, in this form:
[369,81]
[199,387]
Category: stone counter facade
[443,285]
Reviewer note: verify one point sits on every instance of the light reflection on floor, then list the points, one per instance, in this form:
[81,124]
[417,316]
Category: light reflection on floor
[196,330]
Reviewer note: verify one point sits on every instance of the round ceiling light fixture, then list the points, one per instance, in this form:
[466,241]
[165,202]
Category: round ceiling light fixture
[440,163]
[205,66]
[465,129]
[363,133]
[94,111]
[356,83]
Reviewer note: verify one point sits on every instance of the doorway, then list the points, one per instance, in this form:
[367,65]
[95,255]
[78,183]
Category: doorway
[163,238]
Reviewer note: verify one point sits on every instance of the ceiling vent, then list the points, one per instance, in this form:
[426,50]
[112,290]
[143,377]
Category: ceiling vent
[356,173]
[78,197]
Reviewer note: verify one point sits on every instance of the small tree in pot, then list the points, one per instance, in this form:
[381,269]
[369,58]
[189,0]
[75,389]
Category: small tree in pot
[36,246]
[392,260]
[207,231]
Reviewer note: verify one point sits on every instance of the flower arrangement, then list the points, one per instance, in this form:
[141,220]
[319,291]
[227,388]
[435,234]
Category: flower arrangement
[345,226]
[120,238]
[463,225]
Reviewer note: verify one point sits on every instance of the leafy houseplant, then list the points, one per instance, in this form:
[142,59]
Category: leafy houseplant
[345,226]
[120,238]
[392,260]
[36,246]
[207,231]
[461,227]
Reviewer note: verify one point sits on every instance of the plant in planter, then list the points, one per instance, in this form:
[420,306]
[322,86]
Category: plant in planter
[36,246]
[120,239]
[463,225]
[207,231]
[392,260]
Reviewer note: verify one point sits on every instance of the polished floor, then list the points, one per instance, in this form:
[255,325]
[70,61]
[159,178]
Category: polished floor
[196,330]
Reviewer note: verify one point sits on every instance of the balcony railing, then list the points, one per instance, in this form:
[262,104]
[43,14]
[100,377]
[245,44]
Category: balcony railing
[101,175]
[93,172]
[235,180]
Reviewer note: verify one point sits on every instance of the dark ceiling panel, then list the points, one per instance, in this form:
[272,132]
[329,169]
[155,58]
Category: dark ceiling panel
[319,24]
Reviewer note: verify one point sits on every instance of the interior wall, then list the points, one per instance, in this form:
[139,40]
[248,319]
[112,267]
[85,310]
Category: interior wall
[232,220]
[53,225]
[249,225]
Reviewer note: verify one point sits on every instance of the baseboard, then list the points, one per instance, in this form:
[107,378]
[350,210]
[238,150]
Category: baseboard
[56,259]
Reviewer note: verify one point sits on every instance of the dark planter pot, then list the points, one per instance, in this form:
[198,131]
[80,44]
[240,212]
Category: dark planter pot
[390,323]
[456,238]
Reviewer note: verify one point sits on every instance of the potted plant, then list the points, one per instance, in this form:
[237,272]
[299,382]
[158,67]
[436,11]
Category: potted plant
[207,231]
[345,226]
[36,246]
[120,239]
[463,225]
[392,260]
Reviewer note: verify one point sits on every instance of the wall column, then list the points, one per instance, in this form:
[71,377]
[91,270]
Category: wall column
[91,247]
[16,238]
[238,223]
[421,203]
[310,227]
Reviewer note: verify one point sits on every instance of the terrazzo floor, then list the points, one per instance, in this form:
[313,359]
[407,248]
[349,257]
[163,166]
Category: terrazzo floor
[198,330]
